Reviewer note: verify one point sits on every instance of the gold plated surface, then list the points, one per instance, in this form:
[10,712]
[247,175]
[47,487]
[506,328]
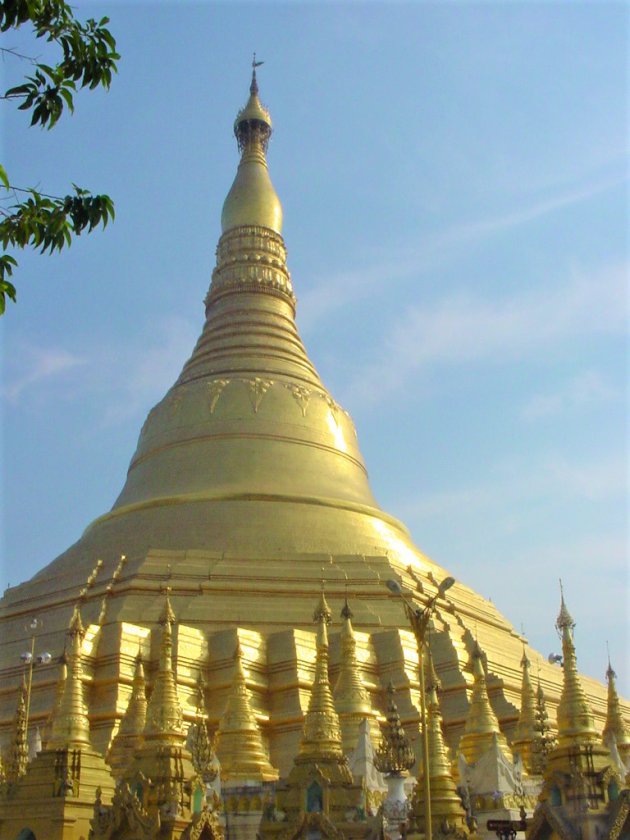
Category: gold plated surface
[246,481]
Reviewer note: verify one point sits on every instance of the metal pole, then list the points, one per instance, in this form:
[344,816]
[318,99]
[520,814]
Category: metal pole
[31,662]
[428,828]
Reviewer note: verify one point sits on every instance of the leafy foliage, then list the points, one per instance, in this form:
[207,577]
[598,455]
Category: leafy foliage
[88,60]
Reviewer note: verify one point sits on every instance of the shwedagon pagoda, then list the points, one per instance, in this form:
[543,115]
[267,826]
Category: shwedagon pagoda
[226,656]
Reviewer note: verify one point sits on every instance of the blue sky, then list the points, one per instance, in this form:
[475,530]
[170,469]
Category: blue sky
[454,178]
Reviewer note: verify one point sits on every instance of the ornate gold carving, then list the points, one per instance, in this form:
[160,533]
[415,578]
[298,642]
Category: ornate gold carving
[17,758]
[394,754]
[301,395]
[215,389]
[257,388]
[126,814]
[205,821]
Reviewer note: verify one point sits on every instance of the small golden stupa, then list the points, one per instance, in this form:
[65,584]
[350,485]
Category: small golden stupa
[246,481]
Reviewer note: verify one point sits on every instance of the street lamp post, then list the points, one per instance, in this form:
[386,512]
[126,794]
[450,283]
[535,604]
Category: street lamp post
[29,658]
[419,620]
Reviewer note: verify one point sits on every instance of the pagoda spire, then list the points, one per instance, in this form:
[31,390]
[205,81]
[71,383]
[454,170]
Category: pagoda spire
[575,719]
[70,723]
[240,745]
[200,744]
[481,722]
[252,200]
[164,713]
[394,755]
[322,734]
[544,740]
[130,733]
[17,757]
[525,733]
[351,698]
[615,726]
[446,804]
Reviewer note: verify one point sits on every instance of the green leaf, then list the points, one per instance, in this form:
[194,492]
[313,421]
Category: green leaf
[4,177]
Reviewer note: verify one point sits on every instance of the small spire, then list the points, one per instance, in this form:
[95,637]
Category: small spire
[200,744]
[481,722]
[351,698]
[575,719]
[394,755]
[525,734]
[164,713]
[322,734]
[564,622]
[130,733]
[17,758]
[615,727]
[544,740]
[70,724]
[446,805]
[240,746]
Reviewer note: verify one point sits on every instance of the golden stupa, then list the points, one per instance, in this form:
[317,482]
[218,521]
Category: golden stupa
[247,488]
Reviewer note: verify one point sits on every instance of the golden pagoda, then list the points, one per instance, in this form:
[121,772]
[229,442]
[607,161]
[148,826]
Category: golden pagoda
[482,728]
[246,480]
[448,817]
[351,698]
[240,747]
[525,734]
[54,796]
[616,728]
[583,792]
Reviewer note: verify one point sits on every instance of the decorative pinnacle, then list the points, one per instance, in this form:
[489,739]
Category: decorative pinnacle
[350,695]
[481,722]
[564,620]
[18,751]
[164,714]
[394,754]
[322,734]
[346,612]
[575,719]
[253,88]
[70,725]
[240,745]
[322,613]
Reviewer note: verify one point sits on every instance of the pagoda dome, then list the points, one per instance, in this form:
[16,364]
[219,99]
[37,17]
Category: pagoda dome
[247,482]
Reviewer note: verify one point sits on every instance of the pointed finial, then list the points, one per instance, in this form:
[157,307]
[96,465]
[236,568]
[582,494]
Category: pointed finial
[610,673]
[167,616]
[253,88]
[564,620]
[322,613]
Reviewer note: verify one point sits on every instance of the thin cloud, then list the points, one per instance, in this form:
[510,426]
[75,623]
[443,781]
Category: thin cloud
[514,485]
[343,288]
[31,366]
[463,329]
[587,389]
[120,381]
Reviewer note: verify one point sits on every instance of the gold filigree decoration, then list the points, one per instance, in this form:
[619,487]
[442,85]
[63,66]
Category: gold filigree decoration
[215,389]
[301,395]
[204,820]
[257,388]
